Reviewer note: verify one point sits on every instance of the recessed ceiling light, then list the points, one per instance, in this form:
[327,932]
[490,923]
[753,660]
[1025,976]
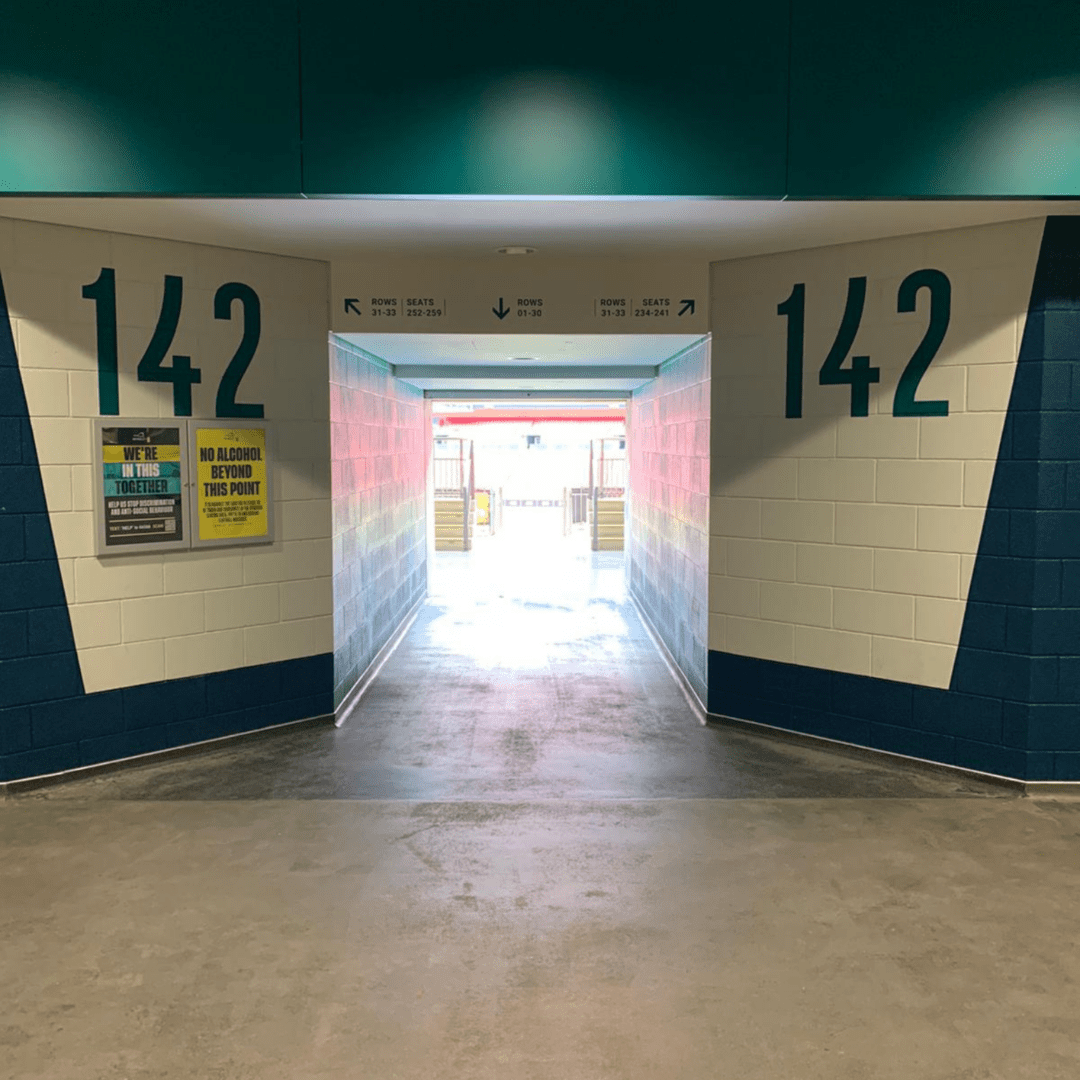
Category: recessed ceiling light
[516,251]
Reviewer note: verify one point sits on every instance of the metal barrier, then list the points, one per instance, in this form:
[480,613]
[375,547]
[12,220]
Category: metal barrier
[453,467]
[579,505]
[453,472]
[607,467]
[611,474]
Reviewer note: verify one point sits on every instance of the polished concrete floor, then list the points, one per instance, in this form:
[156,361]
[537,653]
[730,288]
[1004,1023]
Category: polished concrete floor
[523,858]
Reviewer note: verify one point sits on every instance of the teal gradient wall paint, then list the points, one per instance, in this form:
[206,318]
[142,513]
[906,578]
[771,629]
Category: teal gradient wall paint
[122,96]
[937,98]
[933,98]
[667,541]
[560,97]
[380,446]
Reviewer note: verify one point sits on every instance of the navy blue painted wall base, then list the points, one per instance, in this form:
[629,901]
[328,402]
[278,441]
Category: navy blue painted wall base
[1013,704]
[937,725]
[37,649]
[51,736]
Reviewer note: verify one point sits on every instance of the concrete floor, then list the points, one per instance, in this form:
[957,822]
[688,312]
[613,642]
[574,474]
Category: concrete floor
[523,858]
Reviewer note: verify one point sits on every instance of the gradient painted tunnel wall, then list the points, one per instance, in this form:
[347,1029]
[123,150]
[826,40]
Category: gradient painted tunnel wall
[381,446]
[667,535]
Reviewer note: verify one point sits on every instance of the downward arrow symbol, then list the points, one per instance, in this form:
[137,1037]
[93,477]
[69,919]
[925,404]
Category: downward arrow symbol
[501,311]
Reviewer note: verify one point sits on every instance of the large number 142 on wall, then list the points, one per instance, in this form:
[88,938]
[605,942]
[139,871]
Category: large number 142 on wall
[180,372]
[860,374]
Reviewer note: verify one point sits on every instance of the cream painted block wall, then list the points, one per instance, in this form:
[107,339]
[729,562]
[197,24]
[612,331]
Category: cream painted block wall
[143,618]
[841,542]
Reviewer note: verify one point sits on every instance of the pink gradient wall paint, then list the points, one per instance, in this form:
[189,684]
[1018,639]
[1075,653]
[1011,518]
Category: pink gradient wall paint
[380,436]
[667,533]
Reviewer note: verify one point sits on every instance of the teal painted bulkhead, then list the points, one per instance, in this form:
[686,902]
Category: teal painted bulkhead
[562,97]
[797,98]
[934,99]
[123,97]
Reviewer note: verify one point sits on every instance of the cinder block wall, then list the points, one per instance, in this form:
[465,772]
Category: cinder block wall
[1021,632]
[103,658]
[876,578]
[381,447]
[667,532]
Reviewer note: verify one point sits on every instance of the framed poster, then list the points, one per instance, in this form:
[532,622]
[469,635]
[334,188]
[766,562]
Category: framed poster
[231,501]
[140,476]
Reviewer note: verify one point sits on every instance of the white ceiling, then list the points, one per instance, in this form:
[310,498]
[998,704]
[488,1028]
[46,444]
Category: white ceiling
[603,362]
[576,385]
[521,350]
[692,228]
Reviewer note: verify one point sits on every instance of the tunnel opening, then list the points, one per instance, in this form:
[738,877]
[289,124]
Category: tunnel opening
[528,570]
[527,480]
[540,501]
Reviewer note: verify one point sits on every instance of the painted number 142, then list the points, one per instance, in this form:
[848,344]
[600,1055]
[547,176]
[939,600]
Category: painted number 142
[860,374]
[180,372]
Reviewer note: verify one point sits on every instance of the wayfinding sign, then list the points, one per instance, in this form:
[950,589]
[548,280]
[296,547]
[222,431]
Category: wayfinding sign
[517,295]
[382,308]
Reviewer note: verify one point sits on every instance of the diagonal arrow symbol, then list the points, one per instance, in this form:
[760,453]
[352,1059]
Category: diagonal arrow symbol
[687,305]
[501,311]
[350,305]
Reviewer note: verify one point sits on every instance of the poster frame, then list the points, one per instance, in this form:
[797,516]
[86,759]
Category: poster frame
[101,549]
[194,426]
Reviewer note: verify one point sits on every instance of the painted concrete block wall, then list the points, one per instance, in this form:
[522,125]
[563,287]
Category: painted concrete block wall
[667,536]
[843,600]
[1021,633]
[847,542]
[381,450]
[167,621]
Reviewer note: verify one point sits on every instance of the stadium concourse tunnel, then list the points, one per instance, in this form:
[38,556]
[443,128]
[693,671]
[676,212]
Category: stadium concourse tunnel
[460,457]
[365,711]
[224,494]
[381,684]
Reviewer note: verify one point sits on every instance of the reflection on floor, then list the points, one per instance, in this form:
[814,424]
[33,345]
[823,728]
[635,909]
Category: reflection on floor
[523,858]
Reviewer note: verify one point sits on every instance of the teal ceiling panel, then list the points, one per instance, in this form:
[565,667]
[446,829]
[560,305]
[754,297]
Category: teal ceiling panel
[934,98]
[129,97]
[564,97]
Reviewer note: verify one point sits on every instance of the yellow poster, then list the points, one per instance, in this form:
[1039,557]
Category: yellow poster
[232,497]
